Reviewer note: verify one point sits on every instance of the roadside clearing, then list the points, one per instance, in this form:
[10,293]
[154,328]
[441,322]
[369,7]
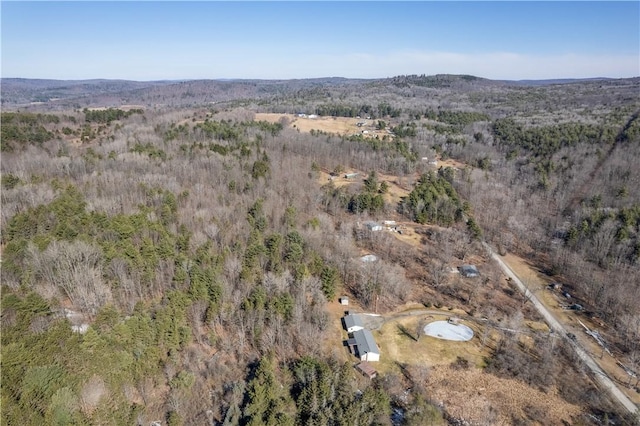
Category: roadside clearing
[556,326]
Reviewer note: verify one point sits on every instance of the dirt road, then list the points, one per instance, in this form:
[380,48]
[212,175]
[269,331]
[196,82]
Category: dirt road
[557,327]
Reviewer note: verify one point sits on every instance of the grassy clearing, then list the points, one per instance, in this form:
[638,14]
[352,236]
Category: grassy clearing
[335,125]
[398,345]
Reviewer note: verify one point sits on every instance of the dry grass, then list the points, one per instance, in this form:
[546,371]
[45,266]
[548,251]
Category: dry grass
[469,394]
[481,398]
[335,333]
[397,347]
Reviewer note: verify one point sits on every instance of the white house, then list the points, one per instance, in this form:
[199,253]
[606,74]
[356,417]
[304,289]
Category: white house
[365,345]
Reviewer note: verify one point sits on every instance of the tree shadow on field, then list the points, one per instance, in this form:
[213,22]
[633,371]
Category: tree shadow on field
[403,331]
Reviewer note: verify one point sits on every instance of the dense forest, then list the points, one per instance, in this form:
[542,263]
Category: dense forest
[179,261]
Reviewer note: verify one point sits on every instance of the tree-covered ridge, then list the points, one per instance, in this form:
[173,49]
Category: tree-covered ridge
[108,265]
[363,111]
[434,200]
[456,118]
[20,129]
[544,141]
[234,130]
[86,255]
[52,375]
[370,198]
[434,81]
[106,116]
[607,237]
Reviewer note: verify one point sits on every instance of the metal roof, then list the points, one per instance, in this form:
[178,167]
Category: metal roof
[469,270]
[353,320]
[365,342]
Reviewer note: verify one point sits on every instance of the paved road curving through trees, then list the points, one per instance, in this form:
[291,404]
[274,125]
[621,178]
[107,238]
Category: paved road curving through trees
[557,327]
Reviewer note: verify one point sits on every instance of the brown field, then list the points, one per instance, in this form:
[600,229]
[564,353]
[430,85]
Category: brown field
[481,398]
[336,125]
[335,333]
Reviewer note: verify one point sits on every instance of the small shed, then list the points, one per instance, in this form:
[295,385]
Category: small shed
[351,175]
[373,226]
[344,300]
[353,323]
[469,271]
[366,369]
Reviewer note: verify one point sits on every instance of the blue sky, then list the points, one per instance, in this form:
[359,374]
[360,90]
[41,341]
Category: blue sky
[272,40]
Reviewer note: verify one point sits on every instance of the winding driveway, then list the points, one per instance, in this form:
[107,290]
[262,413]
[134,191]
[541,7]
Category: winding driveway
[557,327]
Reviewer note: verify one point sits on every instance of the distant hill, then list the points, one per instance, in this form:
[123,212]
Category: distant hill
[556,81]
[81,93]
[65,94]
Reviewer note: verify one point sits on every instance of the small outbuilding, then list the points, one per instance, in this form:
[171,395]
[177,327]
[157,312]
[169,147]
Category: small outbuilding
[353,323]
[373,226]
[344,300]
[469,271]
[367,370]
